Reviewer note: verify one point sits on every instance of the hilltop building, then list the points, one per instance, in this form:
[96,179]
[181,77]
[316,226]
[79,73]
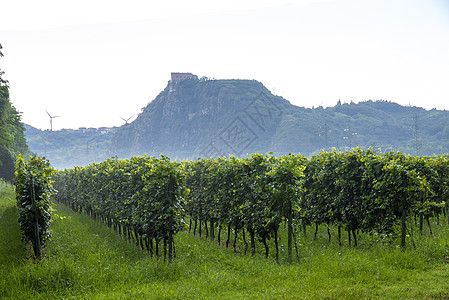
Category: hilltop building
[177,77]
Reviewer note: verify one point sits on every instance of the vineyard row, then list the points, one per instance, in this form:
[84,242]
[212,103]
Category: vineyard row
[149,198]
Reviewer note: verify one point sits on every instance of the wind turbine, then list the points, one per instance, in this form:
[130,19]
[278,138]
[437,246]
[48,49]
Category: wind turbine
[51,120]
[126,120]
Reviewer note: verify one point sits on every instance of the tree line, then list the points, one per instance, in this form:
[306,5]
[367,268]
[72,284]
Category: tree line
[12,138]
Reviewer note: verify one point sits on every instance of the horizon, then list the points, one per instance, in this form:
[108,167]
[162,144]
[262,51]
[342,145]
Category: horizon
[317,107]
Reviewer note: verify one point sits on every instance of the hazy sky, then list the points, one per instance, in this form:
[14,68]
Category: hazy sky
[94,61]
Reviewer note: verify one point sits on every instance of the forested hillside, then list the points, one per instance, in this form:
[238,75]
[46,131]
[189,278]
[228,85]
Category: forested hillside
[203,118]
[67,148]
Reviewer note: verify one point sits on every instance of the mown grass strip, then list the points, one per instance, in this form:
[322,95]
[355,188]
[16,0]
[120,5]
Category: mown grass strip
[12,251]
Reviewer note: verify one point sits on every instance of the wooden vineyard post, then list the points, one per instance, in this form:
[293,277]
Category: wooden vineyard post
[37,242]
[403,228]
[290,231]
[170,219]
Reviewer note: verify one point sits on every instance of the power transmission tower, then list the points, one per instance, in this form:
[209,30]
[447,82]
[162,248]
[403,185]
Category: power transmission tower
[348,137]
[325,133]
[415,118]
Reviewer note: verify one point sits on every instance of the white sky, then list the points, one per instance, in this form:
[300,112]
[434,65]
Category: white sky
[94,61]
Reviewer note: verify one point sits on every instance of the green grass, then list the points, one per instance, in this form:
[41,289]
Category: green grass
[87,260]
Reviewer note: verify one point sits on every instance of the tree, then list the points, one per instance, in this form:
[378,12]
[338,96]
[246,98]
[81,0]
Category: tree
[12,137]
[2,81]
[7,161]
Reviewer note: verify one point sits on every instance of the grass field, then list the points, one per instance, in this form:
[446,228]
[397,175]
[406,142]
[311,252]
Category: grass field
[87,260]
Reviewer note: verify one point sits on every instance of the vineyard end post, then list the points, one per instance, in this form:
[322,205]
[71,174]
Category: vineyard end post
[37,242]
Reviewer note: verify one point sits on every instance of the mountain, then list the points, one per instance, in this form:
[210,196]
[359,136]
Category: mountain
[194,118]
[200,118]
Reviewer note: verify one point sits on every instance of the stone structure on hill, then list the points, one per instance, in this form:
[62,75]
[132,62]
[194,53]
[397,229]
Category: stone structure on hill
[177,77]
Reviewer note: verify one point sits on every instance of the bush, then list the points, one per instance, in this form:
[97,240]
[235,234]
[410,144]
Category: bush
[33,191]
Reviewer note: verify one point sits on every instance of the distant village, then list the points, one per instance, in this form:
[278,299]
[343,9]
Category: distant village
[101,130]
